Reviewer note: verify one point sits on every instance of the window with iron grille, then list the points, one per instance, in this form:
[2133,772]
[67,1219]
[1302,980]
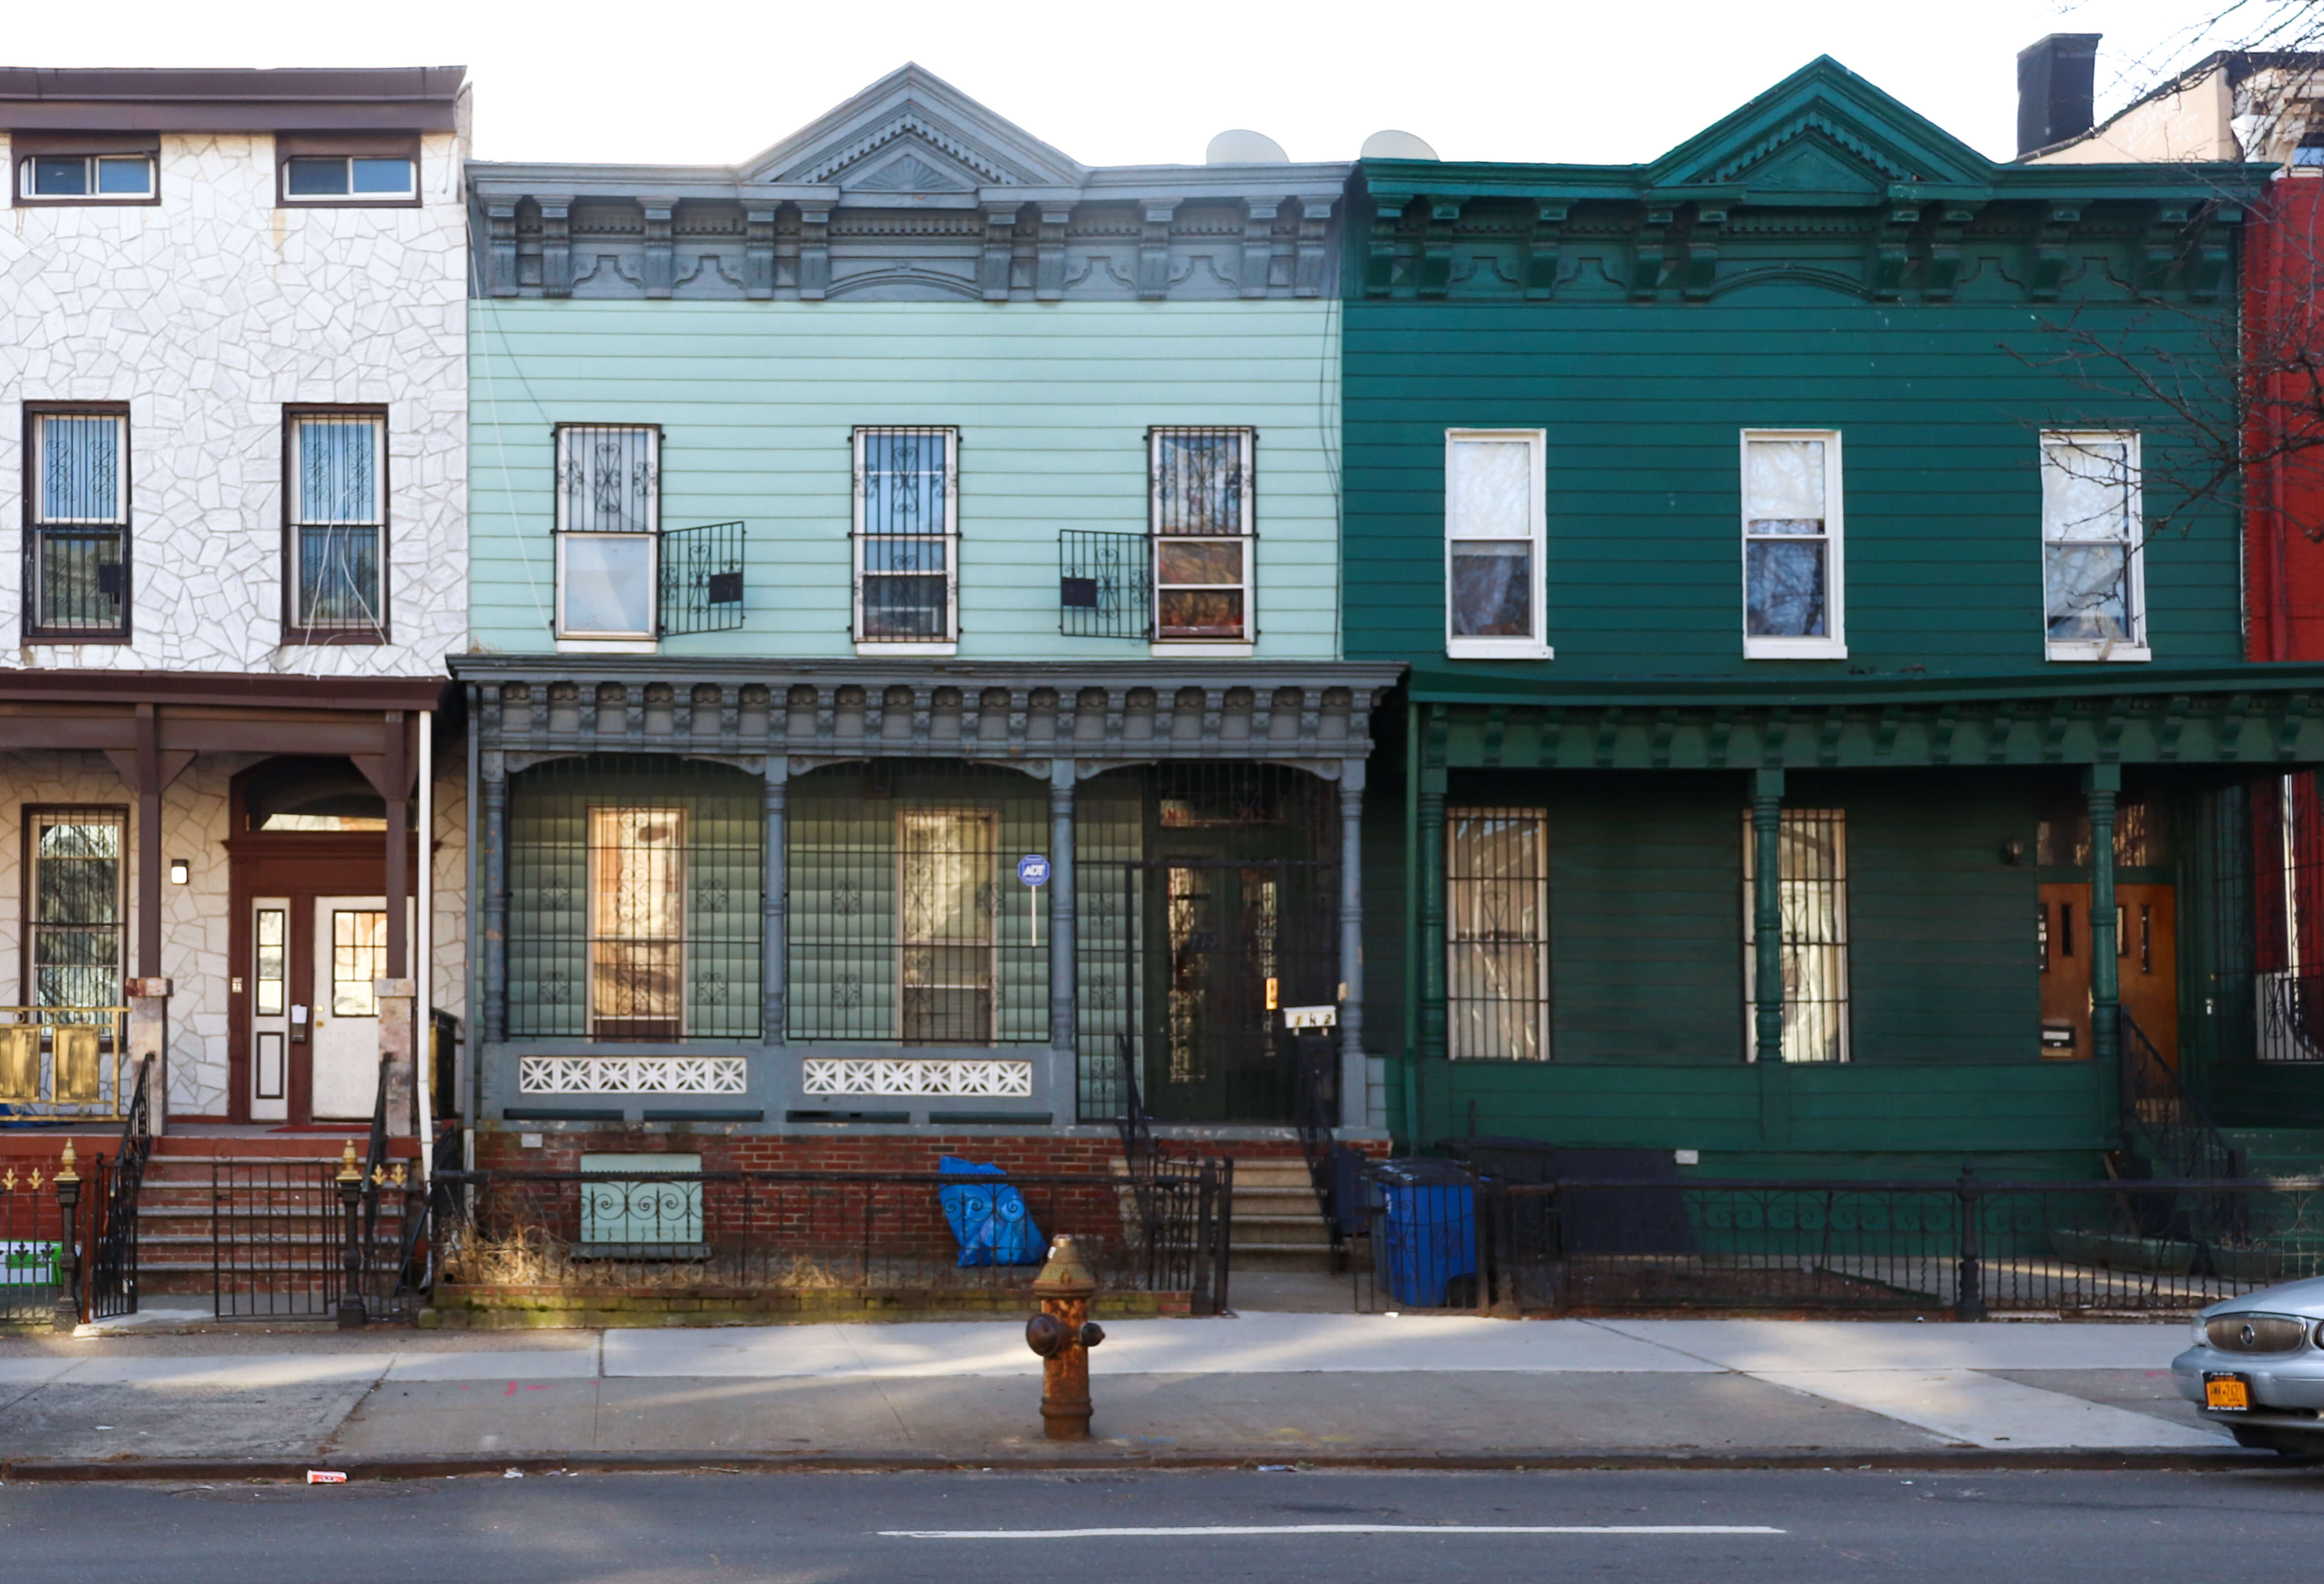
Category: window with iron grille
[633,901]
[1812,879]
[1497,937]
[1201,494]
[337,502]
[907,536]
[907,922]
[1104,583]
[608,530]
[77,528]
[74,908]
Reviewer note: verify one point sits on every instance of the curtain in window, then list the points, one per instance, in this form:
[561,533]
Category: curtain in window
[340,521]
[1491,530]
[1786,543]
[80,516]
[1497,905]
[2088,533]
[1812,881]
[637,923]
[77,910]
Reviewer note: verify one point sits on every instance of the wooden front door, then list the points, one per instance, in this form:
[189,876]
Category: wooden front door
[2146,963]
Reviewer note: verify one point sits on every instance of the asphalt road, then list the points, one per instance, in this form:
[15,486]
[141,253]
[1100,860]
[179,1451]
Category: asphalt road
[1733,1528]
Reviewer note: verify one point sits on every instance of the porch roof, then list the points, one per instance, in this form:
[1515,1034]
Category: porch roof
[2249,715]
[1000,711]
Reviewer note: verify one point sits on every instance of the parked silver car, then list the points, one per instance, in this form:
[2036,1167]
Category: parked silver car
[2257,1367]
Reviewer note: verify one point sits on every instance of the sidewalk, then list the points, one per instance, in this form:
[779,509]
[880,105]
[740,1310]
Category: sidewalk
[1271,1387]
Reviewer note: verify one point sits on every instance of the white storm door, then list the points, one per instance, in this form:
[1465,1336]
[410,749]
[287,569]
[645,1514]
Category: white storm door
[269,1009]
[350,952]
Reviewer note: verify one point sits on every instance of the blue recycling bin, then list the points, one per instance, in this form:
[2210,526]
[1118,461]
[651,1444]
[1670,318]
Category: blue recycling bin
[1428,1234]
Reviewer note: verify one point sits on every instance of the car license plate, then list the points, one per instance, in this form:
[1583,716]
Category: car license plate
[2229,1394]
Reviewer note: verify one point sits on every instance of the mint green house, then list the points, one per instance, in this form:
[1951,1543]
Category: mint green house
[1830,745]
[909,681]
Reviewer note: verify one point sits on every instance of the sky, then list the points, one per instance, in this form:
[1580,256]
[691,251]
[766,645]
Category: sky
[717,81]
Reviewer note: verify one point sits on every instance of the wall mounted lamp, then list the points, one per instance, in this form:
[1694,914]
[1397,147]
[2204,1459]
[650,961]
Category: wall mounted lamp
[180,871]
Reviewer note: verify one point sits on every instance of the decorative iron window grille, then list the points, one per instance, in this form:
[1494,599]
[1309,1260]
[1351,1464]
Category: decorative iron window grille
[906,535]
[608,529]
[701,579]
[1104,586]
[76,543]
[1202,494]
[633,901]
[75,908]
[1496,940]
[1812,879]
[338,522]
[907,921]
[1205,900]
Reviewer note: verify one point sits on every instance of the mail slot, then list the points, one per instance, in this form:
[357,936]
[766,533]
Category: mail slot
[2060,1042]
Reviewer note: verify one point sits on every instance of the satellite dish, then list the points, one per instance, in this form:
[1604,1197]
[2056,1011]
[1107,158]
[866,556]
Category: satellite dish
[1395,145]
[1241,146]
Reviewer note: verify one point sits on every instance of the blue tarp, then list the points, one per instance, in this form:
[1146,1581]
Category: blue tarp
[990,1222]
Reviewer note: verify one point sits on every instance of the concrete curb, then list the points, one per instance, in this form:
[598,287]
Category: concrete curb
[180,1470]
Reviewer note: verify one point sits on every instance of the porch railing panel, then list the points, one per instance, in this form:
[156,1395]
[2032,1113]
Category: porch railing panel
[66,1063]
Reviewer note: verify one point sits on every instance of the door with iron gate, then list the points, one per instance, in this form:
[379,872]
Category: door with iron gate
[1222,946]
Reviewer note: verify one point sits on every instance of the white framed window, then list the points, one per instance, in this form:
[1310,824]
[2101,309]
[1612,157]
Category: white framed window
[608,532]
[90,178]
[1811,879]
[1497,936]
[907,538]
[2093,550]
[1495,534]
[321,177]
[637,923]
[1794,579]
[338,525]
[1200,494]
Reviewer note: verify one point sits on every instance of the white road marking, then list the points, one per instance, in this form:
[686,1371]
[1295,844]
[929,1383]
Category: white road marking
[1230,1529]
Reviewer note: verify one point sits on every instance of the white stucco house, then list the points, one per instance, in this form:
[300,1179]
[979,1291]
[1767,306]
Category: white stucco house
[233,436]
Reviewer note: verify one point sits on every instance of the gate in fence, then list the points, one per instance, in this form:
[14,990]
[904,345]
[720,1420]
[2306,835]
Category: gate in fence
[277,1239]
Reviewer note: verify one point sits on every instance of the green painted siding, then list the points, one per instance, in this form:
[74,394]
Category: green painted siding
[1938,405]
[757,401]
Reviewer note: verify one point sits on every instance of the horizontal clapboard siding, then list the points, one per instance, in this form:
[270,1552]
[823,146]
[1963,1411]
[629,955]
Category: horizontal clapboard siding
[756,402]
[1939,407]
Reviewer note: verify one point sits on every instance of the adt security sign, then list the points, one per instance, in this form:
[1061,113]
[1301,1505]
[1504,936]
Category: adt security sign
[1033,870]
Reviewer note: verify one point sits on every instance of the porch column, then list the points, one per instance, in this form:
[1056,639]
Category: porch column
[1432,923]
[1065,1064]
[495,945]
[2102,782]
[398,1050]
[1767,915]
[774,914]
[1356,1106]
[149,771]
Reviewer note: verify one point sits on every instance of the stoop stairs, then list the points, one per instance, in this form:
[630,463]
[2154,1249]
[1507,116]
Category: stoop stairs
[1278,1224]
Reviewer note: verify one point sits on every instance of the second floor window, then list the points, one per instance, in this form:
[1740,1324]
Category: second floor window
[2093,588]
[76,543]
[608,529]
[1493,544]
[1202,494]
[1791,584]
[907,536]
[339,526]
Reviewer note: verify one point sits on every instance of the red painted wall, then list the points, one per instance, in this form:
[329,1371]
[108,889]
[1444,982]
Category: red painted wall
[2283,544]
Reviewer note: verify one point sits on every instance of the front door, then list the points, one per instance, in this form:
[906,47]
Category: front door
[2147,963]
[350,952]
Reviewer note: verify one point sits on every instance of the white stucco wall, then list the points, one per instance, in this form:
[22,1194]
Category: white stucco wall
[207,313]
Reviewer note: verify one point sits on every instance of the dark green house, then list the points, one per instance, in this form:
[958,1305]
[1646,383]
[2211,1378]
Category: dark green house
[1828,699]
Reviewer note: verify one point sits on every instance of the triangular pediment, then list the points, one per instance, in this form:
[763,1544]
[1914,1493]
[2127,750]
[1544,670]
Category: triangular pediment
[1824,131]
[911,133]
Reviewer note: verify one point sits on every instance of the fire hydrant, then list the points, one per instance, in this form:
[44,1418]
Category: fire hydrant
[1062,1334]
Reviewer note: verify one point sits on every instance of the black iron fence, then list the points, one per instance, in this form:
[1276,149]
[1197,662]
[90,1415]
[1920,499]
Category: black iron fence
[745,1233]
[1965,1248]
[33,1240]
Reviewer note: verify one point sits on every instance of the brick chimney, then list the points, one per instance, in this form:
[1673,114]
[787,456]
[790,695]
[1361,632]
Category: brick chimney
[2055,87]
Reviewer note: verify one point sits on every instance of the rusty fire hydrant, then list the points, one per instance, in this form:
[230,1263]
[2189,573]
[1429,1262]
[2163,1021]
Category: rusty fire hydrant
[1062,1334]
